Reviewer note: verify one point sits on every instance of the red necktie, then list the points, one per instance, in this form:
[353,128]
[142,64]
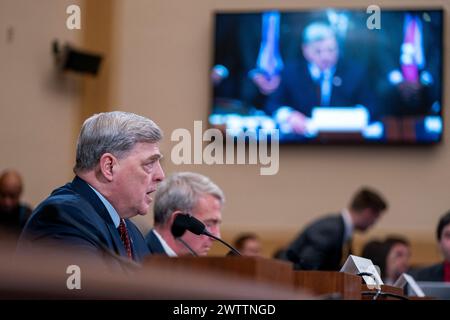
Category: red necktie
[447,271]
[125,238]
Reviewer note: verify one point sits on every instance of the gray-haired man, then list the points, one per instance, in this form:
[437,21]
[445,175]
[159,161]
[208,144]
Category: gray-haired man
[117,168]
[185,192]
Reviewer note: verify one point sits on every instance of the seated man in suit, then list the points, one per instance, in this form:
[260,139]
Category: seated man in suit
[326,243]
[319,78]
[185,192]
[117,168]
[441,271]
[13,213]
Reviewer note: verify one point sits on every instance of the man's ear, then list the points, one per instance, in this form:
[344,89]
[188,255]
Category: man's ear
[172,218]
[107,163]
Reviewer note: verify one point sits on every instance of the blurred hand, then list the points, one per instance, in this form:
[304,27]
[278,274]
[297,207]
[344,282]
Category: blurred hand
[216,77]
[266,85]
[218,73]
[410,91]
[297,121]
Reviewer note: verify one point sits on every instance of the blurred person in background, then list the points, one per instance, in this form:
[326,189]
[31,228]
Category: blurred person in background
[327,242]
[440,271]
[392,256]
[13,212]
[248,244]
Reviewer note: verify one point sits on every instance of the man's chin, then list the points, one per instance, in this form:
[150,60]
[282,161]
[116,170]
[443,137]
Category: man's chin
[143,211]
[204,252]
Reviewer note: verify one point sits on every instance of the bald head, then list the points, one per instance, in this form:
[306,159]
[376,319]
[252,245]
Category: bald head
[10,190]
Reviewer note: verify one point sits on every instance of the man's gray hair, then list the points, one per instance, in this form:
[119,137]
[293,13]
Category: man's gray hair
[181,191]
[317,31]
[112,132]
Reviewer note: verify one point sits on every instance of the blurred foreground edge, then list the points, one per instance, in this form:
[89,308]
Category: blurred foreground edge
[47,274]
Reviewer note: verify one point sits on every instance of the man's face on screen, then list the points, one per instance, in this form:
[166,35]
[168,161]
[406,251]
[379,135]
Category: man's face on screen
[209,211]
[323,53]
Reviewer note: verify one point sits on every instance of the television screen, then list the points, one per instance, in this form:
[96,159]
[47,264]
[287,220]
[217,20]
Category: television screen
[331,75]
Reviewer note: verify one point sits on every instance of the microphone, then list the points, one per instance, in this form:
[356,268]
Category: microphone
[179,226]
[183,222]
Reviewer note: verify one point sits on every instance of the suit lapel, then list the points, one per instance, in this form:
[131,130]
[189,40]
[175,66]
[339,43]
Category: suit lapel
[86,191]
[118,244]
[154,244]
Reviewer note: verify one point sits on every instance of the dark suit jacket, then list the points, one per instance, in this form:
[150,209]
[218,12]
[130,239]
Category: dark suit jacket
[432,273]
[15,220]
[319,246]
[153,243]
[299,91]
[74,216]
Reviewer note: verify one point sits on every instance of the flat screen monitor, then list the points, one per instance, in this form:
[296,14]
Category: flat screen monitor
[329,76]
[439,290]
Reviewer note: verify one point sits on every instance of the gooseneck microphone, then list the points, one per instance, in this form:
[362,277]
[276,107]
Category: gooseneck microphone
[179,226]
[183,222]
[184,243]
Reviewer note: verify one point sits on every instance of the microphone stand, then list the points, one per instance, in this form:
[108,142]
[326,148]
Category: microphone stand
[187,247]
[377,287]
[236,252]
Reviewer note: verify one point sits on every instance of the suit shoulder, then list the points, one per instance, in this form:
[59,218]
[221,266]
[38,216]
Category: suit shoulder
[324,230]
[68,202]
[431,273]
[63,210]
[327,228]
[327,223]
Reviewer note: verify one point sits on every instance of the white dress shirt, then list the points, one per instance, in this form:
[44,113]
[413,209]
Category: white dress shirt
[169,251]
